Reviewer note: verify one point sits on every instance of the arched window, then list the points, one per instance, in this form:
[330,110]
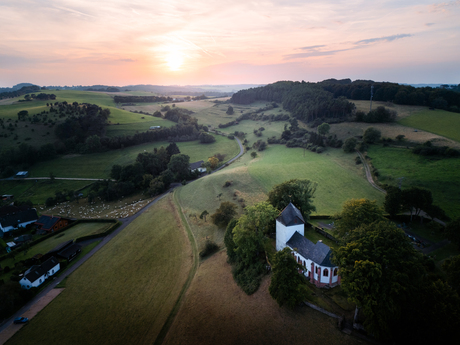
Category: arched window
[326,272]
[335,271]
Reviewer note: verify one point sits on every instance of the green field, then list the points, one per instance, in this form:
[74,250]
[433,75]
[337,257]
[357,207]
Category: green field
[99,165]
[441,122]
[79,230]
[438,176]
[39,191]
[125,292]
[121,122]
[335,172]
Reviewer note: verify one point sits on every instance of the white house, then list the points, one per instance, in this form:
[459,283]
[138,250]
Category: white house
[12,218]
[36,275]
[315,258]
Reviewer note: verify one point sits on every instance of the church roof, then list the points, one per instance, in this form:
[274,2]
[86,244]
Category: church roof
[318,253]
[290,216]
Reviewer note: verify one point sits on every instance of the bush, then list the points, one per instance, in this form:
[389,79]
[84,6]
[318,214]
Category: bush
[210,247]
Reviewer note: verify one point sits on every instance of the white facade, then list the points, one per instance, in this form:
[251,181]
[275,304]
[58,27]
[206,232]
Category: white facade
[284,233]
[319,273]
[38,279]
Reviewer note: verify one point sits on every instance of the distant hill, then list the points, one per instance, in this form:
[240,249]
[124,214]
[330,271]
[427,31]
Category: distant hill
[15,87]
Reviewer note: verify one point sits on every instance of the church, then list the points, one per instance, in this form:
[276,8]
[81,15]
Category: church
[314,258]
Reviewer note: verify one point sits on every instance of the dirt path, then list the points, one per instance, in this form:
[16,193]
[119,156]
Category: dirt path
[368,173]
[34,310]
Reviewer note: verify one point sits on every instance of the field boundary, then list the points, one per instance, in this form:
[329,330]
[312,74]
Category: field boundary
[167,325]
[368,173]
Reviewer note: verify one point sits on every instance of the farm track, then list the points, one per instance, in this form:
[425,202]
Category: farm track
[368,173]
[125,222]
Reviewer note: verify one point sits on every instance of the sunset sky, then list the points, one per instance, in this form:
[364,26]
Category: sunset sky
[112,42]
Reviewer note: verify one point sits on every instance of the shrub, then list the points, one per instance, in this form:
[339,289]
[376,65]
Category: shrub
[210,247]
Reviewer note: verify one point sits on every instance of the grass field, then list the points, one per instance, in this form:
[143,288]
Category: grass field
[439,176]
[121,122]
[79,230]
[217,311]
[99,165]
[335,172]
[125,292]
[441,122]
[39,191]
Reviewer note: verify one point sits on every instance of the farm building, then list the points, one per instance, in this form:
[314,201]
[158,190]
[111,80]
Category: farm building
[154,127]
[66,250]
[47,224]
[36,275]
[22,174]
[197,167]
[13,217]
[315,258]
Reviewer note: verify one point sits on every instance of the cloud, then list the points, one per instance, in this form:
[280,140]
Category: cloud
[384,39]
[313,47]
[315,50]
[444,6]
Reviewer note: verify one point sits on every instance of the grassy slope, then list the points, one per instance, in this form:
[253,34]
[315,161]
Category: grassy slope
[439,122]
[216,311]
[439,176]
[338,179]
[98,165]
[38,192]
[74,232]
[121,122]
[125,292]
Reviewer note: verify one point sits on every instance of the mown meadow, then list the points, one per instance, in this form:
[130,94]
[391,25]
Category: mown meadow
[125,292]
[440,176]
[441,122]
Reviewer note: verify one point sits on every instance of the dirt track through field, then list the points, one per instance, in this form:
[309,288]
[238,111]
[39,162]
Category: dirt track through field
[34,310]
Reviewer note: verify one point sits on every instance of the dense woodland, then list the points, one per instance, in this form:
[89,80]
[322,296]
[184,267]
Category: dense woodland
[439,98]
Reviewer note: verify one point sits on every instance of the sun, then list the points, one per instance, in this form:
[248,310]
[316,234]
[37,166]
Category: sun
[175,61]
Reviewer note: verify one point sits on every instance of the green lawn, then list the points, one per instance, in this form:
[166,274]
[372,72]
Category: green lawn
[99,165]
[125,292]
[39,191]
[438,176]
[79,230]
[338,178]
[440,122]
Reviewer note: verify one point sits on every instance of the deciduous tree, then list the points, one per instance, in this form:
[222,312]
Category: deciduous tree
[287,286]
[225,212]
[298,191]
[356,212]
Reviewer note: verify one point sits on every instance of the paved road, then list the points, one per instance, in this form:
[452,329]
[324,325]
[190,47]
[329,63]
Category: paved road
[125,222]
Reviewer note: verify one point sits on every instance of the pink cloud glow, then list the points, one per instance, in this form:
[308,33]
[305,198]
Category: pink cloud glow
[180,42]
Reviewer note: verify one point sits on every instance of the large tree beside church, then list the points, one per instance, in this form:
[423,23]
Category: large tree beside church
[298,191]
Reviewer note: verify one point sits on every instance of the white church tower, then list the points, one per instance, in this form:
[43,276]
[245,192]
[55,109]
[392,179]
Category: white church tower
[289,221]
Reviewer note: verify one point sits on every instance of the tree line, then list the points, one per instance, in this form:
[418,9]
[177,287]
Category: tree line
[22,91]
[440,98]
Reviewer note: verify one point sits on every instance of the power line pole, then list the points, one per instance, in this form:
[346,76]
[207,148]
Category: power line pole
[372,94]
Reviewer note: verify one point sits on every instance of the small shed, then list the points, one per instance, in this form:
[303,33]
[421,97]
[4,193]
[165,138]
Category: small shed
[22,174]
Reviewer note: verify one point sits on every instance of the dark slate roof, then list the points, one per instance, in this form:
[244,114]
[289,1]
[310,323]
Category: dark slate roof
[47,222]
[318,253]
[195,165]
[13,219]
[290,216]
[61,246]
[36,272]
[70,251]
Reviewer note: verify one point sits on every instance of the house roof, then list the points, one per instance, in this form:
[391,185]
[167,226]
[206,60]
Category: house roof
[47,222]
[36,272]
[195,165]
[290,216]
[69,251]
[10,209]
[318,253]
[13,219]
[61,246]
